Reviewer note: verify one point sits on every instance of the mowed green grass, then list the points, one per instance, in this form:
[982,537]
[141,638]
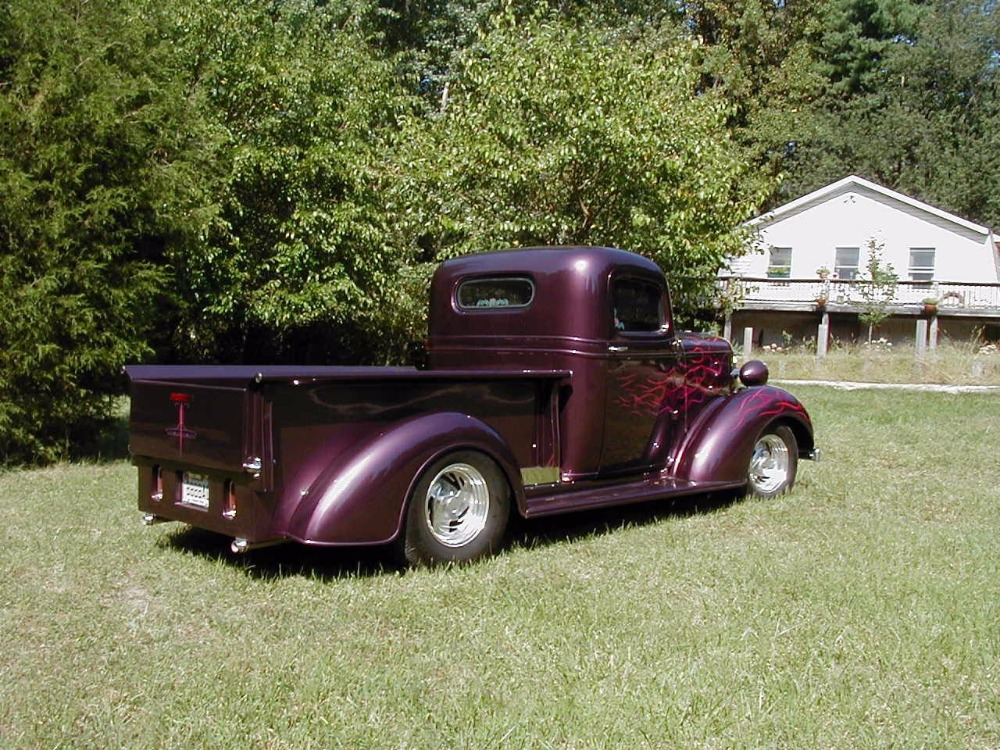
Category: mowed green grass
[860,611]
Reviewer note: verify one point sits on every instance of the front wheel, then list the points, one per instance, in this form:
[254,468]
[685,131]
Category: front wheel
[773,463]
[458,510]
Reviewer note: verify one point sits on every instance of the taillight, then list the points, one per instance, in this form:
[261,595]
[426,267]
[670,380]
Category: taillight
[157,484]
[229,499]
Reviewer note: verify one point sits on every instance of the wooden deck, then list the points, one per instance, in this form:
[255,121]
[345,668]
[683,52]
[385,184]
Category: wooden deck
[953,299]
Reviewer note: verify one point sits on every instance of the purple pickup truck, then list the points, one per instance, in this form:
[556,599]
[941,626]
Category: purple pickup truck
[553,380]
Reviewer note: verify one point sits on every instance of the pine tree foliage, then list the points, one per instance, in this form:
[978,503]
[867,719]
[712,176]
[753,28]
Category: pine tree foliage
[910,101]
[101,158]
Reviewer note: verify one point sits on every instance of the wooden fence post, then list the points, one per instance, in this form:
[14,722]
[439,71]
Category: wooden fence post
[747,342]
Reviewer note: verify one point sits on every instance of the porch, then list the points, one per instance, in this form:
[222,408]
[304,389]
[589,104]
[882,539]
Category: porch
[781,308]
[805,294]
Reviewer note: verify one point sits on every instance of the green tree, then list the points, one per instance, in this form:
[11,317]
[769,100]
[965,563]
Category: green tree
[877,286]
[554,133]
[101,157]
[431,36]
[910,101]
[296,265]
[759,54]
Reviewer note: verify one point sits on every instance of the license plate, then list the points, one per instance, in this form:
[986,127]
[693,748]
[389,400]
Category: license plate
[194,490]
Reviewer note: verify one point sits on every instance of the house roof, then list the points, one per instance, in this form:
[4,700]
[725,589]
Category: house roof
[856,184]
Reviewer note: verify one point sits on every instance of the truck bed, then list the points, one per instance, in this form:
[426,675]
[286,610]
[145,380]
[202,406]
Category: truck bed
[261,438]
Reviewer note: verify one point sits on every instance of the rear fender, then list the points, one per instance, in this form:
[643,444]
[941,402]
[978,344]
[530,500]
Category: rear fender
[360,497]
[718,448]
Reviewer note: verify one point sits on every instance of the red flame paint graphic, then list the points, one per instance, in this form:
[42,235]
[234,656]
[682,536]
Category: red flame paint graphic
[684,384]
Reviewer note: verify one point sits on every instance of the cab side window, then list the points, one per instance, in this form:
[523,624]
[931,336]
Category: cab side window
[638,306]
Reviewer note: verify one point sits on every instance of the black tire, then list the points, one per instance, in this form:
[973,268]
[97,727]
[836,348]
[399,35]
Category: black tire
[773,462]
[458,511]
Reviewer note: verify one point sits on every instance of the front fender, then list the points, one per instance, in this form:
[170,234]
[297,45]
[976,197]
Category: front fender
[360,497]
[719,446]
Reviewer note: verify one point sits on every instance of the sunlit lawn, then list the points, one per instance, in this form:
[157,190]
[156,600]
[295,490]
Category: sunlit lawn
[860,611]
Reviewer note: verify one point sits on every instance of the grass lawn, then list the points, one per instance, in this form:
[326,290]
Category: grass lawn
[860,611]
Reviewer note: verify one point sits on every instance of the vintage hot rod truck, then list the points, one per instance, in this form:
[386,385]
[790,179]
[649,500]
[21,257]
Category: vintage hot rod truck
[552,380]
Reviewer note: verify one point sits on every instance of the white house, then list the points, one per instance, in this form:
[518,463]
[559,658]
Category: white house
[808,255]
[832,227]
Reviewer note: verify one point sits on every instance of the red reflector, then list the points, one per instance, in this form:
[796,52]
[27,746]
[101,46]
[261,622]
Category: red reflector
[180,398]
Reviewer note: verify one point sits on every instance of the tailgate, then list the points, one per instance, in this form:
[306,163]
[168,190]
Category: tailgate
[212,426]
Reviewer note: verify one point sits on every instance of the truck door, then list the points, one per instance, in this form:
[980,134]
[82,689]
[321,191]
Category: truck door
[645,383]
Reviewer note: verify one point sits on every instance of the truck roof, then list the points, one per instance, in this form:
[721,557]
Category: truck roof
[568,297]
[587,260]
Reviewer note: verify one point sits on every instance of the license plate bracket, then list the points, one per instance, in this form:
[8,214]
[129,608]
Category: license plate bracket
[194,490]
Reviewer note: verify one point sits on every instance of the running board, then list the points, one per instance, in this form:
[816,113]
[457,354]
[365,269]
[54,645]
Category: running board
[567,498]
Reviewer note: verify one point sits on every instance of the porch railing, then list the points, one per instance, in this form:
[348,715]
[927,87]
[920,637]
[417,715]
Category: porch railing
[970,298]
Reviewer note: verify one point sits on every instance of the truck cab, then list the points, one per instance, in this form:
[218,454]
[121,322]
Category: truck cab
[604,316]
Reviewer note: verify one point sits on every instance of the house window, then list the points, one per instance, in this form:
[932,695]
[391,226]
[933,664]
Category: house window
[846,266]
[779,266]
[921,264]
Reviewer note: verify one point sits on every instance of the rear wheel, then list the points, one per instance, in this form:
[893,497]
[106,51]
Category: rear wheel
[458,510]
[773,463]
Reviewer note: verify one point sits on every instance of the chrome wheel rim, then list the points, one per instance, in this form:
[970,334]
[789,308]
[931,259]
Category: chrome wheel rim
[457,505]
[769,464]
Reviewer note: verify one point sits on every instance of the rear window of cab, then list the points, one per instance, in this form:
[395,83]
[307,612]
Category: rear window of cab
[638,305]
[495,293]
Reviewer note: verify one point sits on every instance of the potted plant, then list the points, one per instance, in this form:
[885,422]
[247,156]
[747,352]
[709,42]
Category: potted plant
[820,302]
[823,272]
[930,305]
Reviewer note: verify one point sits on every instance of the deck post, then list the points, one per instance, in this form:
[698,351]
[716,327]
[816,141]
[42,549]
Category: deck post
[921,341]
[747,342]
[932,336]
[823,335]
